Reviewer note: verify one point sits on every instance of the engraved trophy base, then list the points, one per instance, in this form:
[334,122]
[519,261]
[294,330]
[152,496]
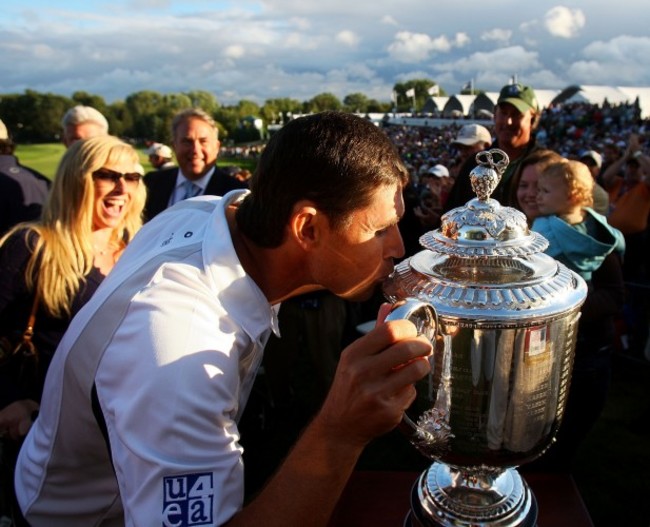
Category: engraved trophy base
[447,497]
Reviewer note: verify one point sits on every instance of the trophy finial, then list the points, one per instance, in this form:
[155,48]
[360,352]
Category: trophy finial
[486,176]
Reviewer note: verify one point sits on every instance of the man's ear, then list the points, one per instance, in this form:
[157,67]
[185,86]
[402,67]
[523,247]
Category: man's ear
[305,224]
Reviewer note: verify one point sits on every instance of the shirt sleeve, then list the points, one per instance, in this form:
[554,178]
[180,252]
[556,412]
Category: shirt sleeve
[182,464]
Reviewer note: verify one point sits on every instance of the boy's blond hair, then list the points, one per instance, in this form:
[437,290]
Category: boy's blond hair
[576,177]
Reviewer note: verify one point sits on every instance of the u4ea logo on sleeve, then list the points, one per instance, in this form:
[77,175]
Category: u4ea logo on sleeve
[188,500]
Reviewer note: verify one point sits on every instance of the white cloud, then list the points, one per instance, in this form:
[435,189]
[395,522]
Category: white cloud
[234,52]
[628,56]
[416,47]
[496,34]
[303,24]
[410,47]
[461,40]
[291,48]
[349,38]
[563,22]
[388,20]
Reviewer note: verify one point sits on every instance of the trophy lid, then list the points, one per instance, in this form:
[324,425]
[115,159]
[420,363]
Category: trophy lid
[485,261]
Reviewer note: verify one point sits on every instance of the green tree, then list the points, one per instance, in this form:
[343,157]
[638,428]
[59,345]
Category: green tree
[144,107]
[421,87]
[356,102]
[120,119]
[86,99]
[280,110]
[204,100]
[248,108]
[322,102]
[34,117]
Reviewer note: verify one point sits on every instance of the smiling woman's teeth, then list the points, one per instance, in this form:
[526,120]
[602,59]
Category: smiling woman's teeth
[114,206]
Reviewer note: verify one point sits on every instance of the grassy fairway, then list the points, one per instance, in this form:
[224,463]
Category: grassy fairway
[43,157]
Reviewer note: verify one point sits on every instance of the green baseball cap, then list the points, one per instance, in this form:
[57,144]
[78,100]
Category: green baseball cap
[521,97]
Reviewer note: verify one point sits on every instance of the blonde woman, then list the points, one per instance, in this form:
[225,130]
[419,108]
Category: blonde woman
[92,212]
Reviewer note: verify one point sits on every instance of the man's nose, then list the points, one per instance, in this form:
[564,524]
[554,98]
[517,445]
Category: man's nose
[395,246]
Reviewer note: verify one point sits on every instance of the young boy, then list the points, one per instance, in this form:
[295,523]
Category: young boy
[578,236]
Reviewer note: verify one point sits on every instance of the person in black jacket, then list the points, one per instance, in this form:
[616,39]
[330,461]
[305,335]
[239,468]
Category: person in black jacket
[196,145]
[22,190]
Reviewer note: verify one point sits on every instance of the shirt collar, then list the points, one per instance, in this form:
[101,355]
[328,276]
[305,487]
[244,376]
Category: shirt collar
[201,182]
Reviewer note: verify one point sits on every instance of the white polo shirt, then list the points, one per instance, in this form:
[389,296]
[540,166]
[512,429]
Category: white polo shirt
[172,339]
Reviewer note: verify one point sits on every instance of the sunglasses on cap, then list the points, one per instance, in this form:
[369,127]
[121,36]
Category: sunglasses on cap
[106,174]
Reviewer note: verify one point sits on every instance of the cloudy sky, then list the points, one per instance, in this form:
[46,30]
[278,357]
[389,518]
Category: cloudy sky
[261,49]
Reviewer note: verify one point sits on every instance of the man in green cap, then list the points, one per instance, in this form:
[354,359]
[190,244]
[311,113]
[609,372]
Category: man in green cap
[516,117]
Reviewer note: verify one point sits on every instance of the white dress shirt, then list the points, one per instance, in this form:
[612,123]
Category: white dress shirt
[172,340]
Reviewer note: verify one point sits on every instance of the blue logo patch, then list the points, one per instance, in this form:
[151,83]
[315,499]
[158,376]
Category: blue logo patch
[188,500]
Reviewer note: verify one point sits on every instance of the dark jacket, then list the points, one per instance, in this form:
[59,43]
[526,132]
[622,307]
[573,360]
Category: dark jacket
[23,192]
[161,183]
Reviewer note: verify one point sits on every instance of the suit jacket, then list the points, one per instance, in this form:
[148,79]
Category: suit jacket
[161,183]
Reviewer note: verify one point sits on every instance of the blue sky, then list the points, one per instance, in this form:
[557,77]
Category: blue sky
[298,48]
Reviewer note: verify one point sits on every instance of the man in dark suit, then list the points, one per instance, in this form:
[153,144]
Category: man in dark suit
[196,145]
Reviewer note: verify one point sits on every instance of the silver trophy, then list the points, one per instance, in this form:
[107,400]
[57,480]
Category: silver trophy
[503,319]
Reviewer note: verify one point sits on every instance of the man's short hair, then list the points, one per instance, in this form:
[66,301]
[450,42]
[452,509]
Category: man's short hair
[84,114]
[334,159]
[193,113]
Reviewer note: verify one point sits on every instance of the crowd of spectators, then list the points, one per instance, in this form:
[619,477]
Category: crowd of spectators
[569,129]
[601,136]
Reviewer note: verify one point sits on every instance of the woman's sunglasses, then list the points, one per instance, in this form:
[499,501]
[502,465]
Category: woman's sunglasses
[106,174]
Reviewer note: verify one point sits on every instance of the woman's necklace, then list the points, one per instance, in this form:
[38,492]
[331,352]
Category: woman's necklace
[103,251]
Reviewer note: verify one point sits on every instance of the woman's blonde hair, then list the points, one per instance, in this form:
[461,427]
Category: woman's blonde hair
[63,252]
[578,179]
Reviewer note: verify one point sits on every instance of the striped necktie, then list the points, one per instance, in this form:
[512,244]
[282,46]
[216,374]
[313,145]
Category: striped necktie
[191,189]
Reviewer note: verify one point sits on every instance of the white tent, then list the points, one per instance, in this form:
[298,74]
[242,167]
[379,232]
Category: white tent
[545,97]
[612,94]
[459,103]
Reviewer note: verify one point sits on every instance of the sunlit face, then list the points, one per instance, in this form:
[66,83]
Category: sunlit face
[527,192]
[114,198]
[77,132]
[353,260]
[553,196]
[512,128]
[196,147]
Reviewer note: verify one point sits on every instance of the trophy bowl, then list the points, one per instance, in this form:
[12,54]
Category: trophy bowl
[502,317]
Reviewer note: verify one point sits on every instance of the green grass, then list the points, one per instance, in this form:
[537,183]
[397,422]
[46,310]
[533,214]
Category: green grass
[45,158]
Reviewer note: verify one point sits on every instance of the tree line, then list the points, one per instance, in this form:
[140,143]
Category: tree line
[34,117]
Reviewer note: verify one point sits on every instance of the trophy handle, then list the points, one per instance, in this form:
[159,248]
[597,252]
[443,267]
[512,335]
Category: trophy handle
[425,318]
